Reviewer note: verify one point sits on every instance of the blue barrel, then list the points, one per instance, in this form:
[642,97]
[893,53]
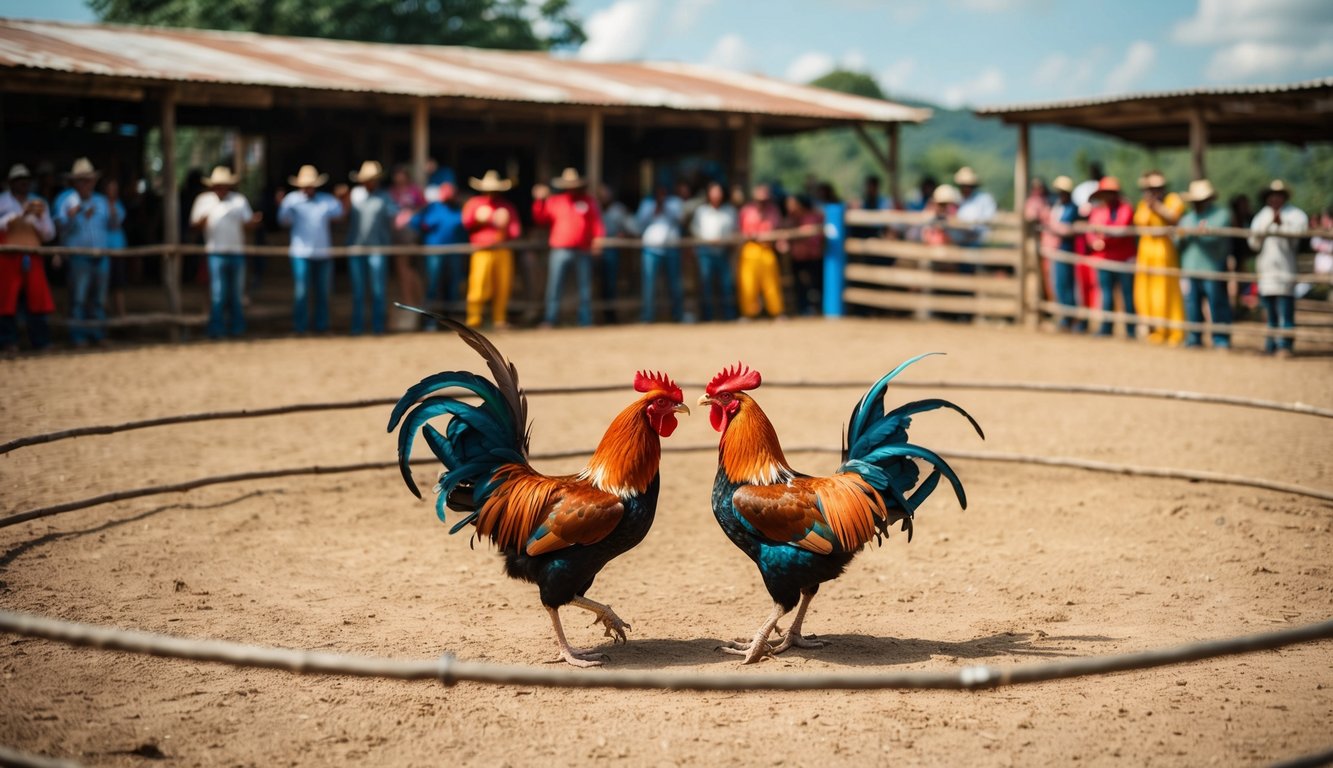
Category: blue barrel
[835,257]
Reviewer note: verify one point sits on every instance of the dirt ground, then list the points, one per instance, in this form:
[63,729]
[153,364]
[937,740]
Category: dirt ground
[1045,564]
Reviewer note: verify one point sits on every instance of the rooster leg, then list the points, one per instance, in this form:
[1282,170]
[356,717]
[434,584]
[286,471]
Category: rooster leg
[792,637]
[758,647]
[615,626]
[574,656]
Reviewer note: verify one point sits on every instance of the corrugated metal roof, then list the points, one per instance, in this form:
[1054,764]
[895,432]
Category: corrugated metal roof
[234,58]
[1323,83]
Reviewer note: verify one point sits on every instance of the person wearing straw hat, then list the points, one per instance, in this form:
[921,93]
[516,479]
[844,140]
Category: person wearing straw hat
[1156,296]
[309,213]
[1276,262]
[225,216]
[976,208]
[25,220]
[1111,210]
[370,225]
[575,220]
[1201,252]
[1056,236]
[490,220]
[83,217]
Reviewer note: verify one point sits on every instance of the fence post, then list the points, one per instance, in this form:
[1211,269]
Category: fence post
[1026,307]
[171,223]
[835,257]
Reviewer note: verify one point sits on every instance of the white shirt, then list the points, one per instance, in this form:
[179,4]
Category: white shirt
[224,220]
[660,229]
[713,223]
[1276,262]
[11,208]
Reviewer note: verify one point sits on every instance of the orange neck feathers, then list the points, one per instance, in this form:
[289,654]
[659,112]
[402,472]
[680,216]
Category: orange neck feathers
[629,455]
[750,451]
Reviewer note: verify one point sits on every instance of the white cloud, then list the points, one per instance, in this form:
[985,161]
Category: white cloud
[990,82]
[686,14]
[620,31]
[897,77]
[853,60]
[730,52]
[1138,62]
[1233,21]
[1244,61]
[810,65]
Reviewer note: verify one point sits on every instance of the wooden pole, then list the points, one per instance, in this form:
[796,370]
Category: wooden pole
[892,130]
[1026,292]
[741,147]
[1198,144]
[885,161]
[593,151]
[420,140]
[171,219]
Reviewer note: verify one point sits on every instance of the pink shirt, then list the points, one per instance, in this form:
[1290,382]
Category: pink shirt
[1117,248]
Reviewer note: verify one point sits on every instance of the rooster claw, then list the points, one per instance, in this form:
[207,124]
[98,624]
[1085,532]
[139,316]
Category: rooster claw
[614,627]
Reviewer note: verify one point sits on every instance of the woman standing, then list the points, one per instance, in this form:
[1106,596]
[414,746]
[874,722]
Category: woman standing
[1157,296]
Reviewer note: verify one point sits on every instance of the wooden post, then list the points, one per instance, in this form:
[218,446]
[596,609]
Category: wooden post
[742,143]
[171,219]
[420,140]
[885,161]
[1026,293]
[1198,144]
[593,151]
[892,130]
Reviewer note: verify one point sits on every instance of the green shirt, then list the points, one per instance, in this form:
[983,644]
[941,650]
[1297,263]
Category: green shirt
[1204,252]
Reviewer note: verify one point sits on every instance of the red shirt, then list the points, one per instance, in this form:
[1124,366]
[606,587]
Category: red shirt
[487,233]
[757,219]
[1117,248]
[574,218]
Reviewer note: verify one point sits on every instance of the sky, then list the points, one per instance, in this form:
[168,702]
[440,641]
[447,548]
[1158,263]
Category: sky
[955,52]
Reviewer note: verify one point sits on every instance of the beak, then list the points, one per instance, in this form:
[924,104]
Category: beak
[705,400]
[681,408]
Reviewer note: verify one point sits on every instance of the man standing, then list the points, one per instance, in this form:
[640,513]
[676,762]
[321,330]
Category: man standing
[224,215]
[659,219]
[309,214]
[1276,263]
[441,223]
[977,209]
[576,223]
[490,219]
[715,221]
[1056,236]
[1111,211]
[1205,253]
[24,221]
[84,218]
[370,226]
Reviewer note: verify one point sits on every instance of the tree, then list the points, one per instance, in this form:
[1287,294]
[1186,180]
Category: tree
[508,24]
[847,81]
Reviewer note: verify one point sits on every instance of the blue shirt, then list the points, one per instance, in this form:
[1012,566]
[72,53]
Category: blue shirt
[440,224]
[371,221]
[82,223]
[309,218]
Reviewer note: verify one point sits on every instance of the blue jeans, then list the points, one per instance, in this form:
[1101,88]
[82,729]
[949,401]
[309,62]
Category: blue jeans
[226,284]
[561,258]
[717,283]
[311,275]
[445,272]
[608,275]
[374,267]
[668,259]
[1062,280]
[89,281]
[1219,310]
[1108,281]
[1281,312]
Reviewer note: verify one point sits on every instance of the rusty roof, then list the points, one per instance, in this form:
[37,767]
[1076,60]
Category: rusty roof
[219,59]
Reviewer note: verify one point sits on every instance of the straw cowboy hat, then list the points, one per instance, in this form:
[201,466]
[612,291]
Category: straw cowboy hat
[370,169]
[1063,184]
[947,194]
[1277,187]
[19,171]
[83,169]
[1106,186]
[1200,190]
[966,177]
[1152,180]
[308,177]
[221,176]
[491,182]
[569,179]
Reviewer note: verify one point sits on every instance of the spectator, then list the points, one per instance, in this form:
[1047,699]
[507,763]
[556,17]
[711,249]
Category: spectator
[1241,257]
[807,254]
[1057,236]
[116,240]
[925,193]
[576,223]
[1157,297]
[758,273]
[490,220]
[1276,263]
[943,205]
[659,220]
[370,224]
[409,199]
[1082,194]
[1038,202]
[1205,253]
[441,223]
[1109,210]
[1323,247]
[617,222]
[871,199]
[309,213]
[224,215]
[715,221]
[84,219]
[977,209]
[25,220]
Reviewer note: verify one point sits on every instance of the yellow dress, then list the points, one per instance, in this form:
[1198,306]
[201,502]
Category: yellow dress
[1158,297]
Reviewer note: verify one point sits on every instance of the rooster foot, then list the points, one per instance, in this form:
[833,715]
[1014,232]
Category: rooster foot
[580,657]
[793,640]
[753,652]
[613,625]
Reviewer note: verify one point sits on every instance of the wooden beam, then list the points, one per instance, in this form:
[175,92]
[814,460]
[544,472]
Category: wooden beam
[893,131]
[593,151]
[1198,144]
[1027,252]
[885,163]
[420,140]
[171,220]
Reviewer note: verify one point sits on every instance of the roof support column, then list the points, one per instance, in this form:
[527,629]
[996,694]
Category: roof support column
[171,213]
[420,140]
[1026,251]
[1198,144]
[887,163]
[742,144]
[892,130]
[593,151]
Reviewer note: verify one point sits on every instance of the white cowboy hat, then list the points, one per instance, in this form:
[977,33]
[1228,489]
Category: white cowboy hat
[491,182]
[221,175]
[569,179]
[947,194]
[308,177]
[19,171]
[1200,190]
[83,169]
[1063,184]
[1276,186]
[370,169]
[966,177]
[1152,180]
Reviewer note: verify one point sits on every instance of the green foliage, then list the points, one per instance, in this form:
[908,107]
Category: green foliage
[855,83]
[509,24]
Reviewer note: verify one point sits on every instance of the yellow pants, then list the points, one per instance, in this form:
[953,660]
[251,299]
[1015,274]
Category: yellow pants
[489,279]
[1158,297]
[758,273]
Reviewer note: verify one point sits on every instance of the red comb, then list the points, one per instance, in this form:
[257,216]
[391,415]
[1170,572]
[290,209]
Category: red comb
[648,381]
[737,378]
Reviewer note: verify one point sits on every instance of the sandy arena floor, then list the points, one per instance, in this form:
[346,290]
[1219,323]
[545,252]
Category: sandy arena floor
[1046,563]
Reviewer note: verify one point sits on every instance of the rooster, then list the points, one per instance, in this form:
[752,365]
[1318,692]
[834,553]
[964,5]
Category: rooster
[556,532]
[802,531]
